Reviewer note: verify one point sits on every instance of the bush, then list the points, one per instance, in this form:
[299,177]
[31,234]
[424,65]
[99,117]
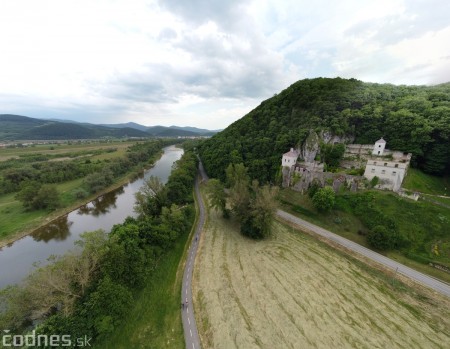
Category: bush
[324,199]
[380,238]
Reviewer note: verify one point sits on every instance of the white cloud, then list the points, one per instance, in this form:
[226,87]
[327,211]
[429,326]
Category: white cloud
[204,61]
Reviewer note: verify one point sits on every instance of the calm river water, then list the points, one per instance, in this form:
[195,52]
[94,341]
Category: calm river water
[16,259]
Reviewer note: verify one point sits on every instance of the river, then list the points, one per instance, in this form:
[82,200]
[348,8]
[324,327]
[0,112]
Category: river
[57,237]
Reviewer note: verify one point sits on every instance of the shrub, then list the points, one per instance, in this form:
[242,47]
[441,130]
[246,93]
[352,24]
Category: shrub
[380,238]
[324,199]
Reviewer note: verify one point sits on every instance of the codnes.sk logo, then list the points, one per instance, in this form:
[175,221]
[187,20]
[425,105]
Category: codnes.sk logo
[42,340]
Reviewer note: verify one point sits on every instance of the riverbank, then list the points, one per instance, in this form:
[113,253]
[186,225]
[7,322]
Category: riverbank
[53,216]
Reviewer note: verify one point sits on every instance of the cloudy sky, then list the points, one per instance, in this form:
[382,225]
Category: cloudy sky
[205,63]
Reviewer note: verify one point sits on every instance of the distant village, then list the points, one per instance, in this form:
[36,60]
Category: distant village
[383,168]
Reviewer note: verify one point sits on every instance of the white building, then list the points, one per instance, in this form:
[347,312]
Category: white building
[290,158]
[379,146]
[389,166]
[390,173]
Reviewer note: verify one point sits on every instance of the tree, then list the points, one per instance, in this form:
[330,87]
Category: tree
[263,209]
[217,196]
[380,238]
[253,205]
[313,188]
[151,198]
[238,181]
[240,200]
[65,280]
[99,180]
[35,196]
[332,154]
[236,173]
[46,197]
[27,193]
[324,199]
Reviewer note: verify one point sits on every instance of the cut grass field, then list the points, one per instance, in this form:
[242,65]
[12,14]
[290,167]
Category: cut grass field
[292,291]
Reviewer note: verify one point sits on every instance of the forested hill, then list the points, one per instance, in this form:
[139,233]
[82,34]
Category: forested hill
[410,118]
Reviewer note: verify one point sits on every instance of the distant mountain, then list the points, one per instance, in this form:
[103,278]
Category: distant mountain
[128,124]
[172,132]
[164,131]
[17,127]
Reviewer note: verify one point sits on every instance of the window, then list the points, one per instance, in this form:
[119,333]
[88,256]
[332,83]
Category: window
[396,165]
[385,164]
[373,170]
[379,145]
[374,162]
[378,152]
[394,173]
[383,171]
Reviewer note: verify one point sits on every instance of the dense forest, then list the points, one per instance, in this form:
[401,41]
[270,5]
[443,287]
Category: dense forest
[412,119]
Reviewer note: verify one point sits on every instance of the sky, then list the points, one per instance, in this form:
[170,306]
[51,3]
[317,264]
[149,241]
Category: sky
[205,63]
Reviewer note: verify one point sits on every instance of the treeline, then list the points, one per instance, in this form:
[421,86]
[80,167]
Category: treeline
[412,119]
[89,293]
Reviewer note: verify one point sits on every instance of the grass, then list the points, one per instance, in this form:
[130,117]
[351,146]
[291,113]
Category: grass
[340,222]
[6,153]
[13,216]
[416,180]
[424,224]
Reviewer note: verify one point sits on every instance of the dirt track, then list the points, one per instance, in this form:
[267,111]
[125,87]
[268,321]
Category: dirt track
[293,292]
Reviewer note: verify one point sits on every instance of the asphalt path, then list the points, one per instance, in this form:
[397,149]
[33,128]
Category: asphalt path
[187,310]
[399,268]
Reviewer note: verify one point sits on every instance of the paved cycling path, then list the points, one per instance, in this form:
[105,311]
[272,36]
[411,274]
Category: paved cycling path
[424,279]
[187,310]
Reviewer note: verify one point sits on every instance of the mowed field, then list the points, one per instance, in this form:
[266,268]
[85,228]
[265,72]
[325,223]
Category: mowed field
[292,291]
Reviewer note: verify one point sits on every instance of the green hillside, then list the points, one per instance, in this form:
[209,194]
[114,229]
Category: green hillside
[11,126]
[413,119]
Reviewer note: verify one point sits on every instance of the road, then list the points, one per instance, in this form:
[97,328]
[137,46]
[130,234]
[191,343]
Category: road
[187,311]
[423,279]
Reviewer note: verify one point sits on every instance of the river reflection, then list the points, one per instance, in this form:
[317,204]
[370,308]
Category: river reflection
[57,237]
[59,229]
[101,205]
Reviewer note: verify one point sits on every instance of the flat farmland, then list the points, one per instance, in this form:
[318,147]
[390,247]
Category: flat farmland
[64,149]
[293,291]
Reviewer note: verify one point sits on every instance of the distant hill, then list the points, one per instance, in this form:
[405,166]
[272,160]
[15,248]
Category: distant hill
[164,131]
[171,131]
[18,127]
[128,124]
[412,119]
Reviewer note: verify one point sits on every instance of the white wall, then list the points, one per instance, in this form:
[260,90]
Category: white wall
[391,173]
